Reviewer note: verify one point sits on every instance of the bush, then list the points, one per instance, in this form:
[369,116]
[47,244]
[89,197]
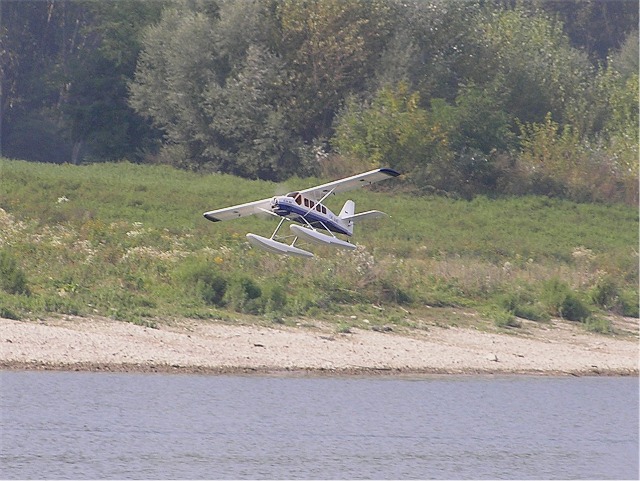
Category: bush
[573,309]
[7,313]
[503,318]
[244,295]
[553,295]
[605,293]
[523,305]
[38,138]
[629,304]
[335,291]
[533,312]
[12,278]
[600,325]
[276,297]
[213,289]
[561,301]
[390,292]
[207,282]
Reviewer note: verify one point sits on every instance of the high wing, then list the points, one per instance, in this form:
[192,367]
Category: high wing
[240,210]
[342,185]
[350,183]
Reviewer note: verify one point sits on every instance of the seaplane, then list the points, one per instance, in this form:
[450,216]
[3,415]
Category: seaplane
[311,220]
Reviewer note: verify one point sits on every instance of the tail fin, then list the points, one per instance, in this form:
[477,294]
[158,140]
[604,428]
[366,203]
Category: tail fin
[347,212]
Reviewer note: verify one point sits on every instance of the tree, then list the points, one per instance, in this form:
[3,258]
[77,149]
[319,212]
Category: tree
[477,120]
[222,101]
[392,130]
[249,90]
[64,91]
[598,27]
[39,41]
[178,61]
[102,124]
[434,47]
[331,48]
[250,123]
[533,65]
[620,127]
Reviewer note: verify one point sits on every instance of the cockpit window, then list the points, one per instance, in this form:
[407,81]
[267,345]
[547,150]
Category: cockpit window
[296,196]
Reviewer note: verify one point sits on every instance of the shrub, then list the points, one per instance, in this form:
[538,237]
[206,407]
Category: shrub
[207,282]
[573,309]
[12,278]
[389,291]
[598,324]
[503,318]
[7,313]
[533,312]
[523,305]
[561,301]
[57,304]
[276,297]
[213,289]
[38,138]
[244,295]
[629,304]
[440,292]
[554,292]
[605,293]
[337,291]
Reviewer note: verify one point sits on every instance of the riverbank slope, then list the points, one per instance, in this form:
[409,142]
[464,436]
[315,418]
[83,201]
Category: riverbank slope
[74,343]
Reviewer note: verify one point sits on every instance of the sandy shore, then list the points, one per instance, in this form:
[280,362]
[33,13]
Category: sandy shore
[75,343]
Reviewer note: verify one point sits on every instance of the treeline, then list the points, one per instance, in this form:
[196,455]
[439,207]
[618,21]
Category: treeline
[465,97]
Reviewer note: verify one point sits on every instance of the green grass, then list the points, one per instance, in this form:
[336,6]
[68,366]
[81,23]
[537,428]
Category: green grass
[129,242]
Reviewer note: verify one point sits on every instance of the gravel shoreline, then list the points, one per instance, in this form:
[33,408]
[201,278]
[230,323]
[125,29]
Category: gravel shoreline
[191,346]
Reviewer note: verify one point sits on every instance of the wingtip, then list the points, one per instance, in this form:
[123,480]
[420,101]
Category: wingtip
[390,172]
[208,216]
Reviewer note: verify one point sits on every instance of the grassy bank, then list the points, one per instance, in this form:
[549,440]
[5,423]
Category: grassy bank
[130,242]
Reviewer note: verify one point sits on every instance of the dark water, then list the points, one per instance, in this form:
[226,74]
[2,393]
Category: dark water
[98,425]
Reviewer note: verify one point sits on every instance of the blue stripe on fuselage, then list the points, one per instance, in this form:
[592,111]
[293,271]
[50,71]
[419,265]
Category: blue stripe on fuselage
[296,214]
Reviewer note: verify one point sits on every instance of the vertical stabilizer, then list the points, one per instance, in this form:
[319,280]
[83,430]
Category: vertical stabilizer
[348,210]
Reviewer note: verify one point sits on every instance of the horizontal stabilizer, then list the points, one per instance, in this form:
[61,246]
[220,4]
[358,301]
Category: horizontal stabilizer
[370,214]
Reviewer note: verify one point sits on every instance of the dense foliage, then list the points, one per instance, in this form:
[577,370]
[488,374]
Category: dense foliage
[465,97]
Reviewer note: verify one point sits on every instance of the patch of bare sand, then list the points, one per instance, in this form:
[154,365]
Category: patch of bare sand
[197,346]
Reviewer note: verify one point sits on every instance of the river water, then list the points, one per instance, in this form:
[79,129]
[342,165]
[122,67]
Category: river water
[121,426]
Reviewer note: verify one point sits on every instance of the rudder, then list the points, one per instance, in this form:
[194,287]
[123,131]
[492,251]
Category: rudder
[348,210]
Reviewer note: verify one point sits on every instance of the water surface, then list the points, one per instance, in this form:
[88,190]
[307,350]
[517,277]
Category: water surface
[123,426]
